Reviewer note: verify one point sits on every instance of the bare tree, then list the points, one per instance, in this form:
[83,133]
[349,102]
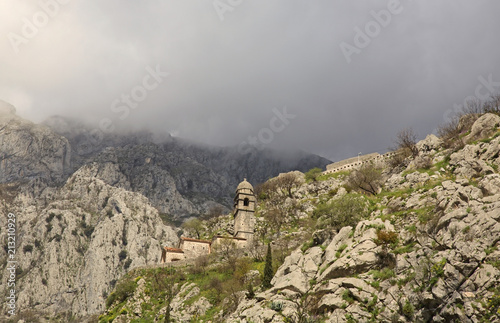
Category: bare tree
[367,179]
[407,140]
[287,182]
[226,249]
[493,104]
[213,212]
[275,217]
[193,226]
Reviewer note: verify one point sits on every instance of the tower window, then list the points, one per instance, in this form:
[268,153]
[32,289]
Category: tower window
[246,202]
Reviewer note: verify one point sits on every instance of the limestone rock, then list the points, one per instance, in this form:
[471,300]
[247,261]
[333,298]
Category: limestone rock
[483,127]
[429,144]
[86,238]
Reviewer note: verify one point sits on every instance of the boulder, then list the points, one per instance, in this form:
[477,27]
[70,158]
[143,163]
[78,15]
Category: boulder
[490,184]
[484,127]
[430,143]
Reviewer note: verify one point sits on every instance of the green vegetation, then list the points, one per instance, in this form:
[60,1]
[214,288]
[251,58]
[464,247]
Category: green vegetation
[384,274]
[340,250]
[268,269]
[313,174]
[122,255]
[220,283]
[337,175]
[408,310]
[341,212]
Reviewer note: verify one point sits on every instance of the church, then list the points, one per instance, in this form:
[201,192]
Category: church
[244,225]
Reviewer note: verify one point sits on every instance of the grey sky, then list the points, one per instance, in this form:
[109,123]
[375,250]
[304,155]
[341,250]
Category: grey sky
[225,77]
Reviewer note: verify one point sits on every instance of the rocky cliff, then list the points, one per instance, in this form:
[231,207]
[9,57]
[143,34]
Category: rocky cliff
[30,151]
[74,242]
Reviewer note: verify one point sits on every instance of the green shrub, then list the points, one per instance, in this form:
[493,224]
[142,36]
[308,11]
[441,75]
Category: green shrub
[122,291]
[386,238]
[122,255]
[127,263]
[27,248]
[383,274]
[313,174]
[345,211]
[408,310]
[276,306]
[348,296]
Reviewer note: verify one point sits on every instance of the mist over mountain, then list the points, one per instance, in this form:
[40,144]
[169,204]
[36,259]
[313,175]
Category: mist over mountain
[180,177]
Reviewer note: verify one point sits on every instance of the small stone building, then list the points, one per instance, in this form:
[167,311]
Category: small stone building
[194,247]
[171,255]
[244,226]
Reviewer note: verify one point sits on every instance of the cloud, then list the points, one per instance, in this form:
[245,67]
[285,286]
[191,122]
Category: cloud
[226,77]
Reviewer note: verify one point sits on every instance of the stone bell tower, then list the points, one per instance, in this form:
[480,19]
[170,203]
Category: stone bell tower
[244,209]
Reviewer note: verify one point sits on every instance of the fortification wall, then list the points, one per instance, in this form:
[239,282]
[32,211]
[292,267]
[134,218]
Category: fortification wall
[357,162]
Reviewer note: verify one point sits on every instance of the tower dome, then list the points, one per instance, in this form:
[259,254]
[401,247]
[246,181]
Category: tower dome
[244,185]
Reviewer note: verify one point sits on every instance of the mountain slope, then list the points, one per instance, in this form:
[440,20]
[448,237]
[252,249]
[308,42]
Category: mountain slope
[424,249]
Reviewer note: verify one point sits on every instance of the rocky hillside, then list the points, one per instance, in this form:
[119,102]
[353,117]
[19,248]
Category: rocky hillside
[74,242]
[424,248]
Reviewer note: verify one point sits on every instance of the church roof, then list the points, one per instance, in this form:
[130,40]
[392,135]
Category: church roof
[176,250]
[195,240]
[244,185]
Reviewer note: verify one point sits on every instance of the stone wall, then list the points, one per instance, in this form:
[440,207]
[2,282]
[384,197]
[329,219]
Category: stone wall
[194,247]
[172,255]
[239,242]
[357,162]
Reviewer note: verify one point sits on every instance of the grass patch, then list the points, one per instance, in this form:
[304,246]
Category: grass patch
[405,249]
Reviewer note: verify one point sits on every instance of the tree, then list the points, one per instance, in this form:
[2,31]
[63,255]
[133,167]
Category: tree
[367,179]
[193,226]
[268,269]
[313,174]
[213,212]
[287,182]
[275,218]
[226,249]
[406,140]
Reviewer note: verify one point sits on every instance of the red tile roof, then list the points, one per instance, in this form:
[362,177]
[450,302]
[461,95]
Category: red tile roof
[176,250]
[226,237]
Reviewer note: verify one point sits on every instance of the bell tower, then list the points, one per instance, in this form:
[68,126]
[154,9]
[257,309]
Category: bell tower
[244,209]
